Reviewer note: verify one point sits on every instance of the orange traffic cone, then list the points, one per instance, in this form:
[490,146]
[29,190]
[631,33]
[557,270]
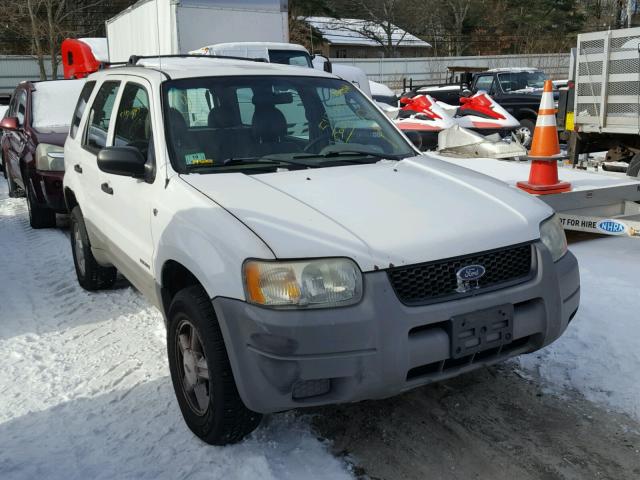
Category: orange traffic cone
[545,150]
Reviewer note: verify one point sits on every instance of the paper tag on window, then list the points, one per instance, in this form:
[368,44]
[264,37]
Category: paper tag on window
[198,158]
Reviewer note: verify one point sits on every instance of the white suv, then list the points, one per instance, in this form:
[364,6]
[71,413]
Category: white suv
[301,250]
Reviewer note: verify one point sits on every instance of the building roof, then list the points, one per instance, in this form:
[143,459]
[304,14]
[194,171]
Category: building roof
[353,31]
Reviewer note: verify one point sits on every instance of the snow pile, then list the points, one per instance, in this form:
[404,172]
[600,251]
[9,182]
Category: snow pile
[84,385]
[99,47]
[599,354]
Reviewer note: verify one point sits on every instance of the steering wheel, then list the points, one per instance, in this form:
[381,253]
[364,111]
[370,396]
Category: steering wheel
[313,143]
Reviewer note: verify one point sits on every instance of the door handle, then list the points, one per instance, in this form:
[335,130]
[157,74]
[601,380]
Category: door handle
[106,188]
[77,168]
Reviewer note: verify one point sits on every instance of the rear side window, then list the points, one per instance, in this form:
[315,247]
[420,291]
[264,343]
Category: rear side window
[100,116]
[80,107]
[245,104]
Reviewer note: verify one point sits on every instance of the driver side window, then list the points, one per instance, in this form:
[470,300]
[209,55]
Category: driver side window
[133,120]
[484,83]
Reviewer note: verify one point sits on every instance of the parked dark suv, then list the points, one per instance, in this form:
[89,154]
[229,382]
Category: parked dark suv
[34,131]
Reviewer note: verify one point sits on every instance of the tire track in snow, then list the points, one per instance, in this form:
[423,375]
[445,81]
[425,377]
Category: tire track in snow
[84,386]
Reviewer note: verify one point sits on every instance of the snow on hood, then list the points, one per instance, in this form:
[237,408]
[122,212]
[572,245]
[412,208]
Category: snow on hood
[416,210]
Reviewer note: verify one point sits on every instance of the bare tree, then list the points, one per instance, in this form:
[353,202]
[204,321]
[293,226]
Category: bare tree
[459,10]
[45,24]
[380,20]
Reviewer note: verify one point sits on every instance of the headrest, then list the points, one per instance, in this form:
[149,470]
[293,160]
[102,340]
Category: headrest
[218,118]
[268,124]
[176,120]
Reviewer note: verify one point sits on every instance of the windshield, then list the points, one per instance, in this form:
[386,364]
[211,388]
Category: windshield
[51,104]
[290,57]
[261,123]
[521,81]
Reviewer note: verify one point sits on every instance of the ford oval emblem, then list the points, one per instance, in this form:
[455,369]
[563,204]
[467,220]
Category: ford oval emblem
[471,273]
[612,227]
[468,278]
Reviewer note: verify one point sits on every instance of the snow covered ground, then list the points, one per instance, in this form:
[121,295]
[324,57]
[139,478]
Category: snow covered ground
[85,392]
[84,385]
[599,355]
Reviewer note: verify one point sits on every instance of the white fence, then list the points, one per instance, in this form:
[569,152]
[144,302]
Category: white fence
[433,70]
[16,68]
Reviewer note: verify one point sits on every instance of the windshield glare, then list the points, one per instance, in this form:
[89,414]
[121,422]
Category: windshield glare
[517,81]
[266,122]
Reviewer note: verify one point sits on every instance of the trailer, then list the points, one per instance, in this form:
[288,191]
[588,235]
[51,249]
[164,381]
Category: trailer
[176,27]
[603,203]
[606,108]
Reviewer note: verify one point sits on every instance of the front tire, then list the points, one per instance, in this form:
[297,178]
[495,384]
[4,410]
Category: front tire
[91,275]
[39,217]
[525,132]
[201,372]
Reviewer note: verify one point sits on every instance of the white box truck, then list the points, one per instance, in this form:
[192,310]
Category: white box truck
[243,28]
[172,27]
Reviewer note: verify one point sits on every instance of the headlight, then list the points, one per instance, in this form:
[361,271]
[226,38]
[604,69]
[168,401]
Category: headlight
[330,282]
[553,237]
[50,158]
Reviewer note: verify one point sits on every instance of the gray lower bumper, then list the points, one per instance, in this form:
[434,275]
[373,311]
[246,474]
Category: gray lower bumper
[380,347]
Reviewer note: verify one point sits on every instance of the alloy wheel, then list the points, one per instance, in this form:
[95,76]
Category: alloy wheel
[194,372]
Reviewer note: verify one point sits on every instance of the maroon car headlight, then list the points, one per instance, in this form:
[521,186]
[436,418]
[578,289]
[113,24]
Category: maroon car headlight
[49,158]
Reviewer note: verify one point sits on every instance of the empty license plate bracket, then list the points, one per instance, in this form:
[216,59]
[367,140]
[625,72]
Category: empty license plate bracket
[481,330]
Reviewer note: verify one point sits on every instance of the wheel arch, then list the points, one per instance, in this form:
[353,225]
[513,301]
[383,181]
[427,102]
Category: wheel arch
[70,199]
[527,114]
[174,277]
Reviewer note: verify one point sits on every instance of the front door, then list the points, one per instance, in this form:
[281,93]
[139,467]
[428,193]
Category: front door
[126,202]
[16,142]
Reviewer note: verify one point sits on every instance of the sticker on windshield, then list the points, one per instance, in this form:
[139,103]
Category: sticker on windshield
[198,158]
[341,91]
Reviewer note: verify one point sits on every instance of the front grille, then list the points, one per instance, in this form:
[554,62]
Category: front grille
[437,281]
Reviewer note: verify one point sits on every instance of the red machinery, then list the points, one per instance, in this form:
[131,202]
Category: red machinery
[79,58]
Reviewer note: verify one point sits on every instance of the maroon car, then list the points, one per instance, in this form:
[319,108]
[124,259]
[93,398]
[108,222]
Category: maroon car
[34,131]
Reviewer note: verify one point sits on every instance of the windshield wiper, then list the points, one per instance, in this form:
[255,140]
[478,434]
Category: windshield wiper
[265,161]
[341,154]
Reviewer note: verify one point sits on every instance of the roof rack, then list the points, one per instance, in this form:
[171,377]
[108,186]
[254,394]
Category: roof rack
[134,59]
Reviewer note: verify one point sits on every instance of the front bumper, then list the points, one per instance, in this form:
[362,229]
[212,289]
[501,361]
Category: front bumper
[380,347]
[47,187]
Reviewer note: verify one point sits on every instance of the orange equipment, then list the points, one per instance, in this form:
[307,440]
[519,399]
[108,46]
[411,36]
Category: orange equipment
[545,150]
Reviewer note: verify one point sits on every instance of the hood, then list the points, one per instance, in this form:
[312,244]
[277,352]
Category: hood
[54,136]
[389,213]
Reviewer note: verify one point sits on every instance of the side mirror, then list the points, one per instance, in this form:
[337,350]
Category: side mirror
[326,65]
[125,161]
[466,93]
[9,123]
